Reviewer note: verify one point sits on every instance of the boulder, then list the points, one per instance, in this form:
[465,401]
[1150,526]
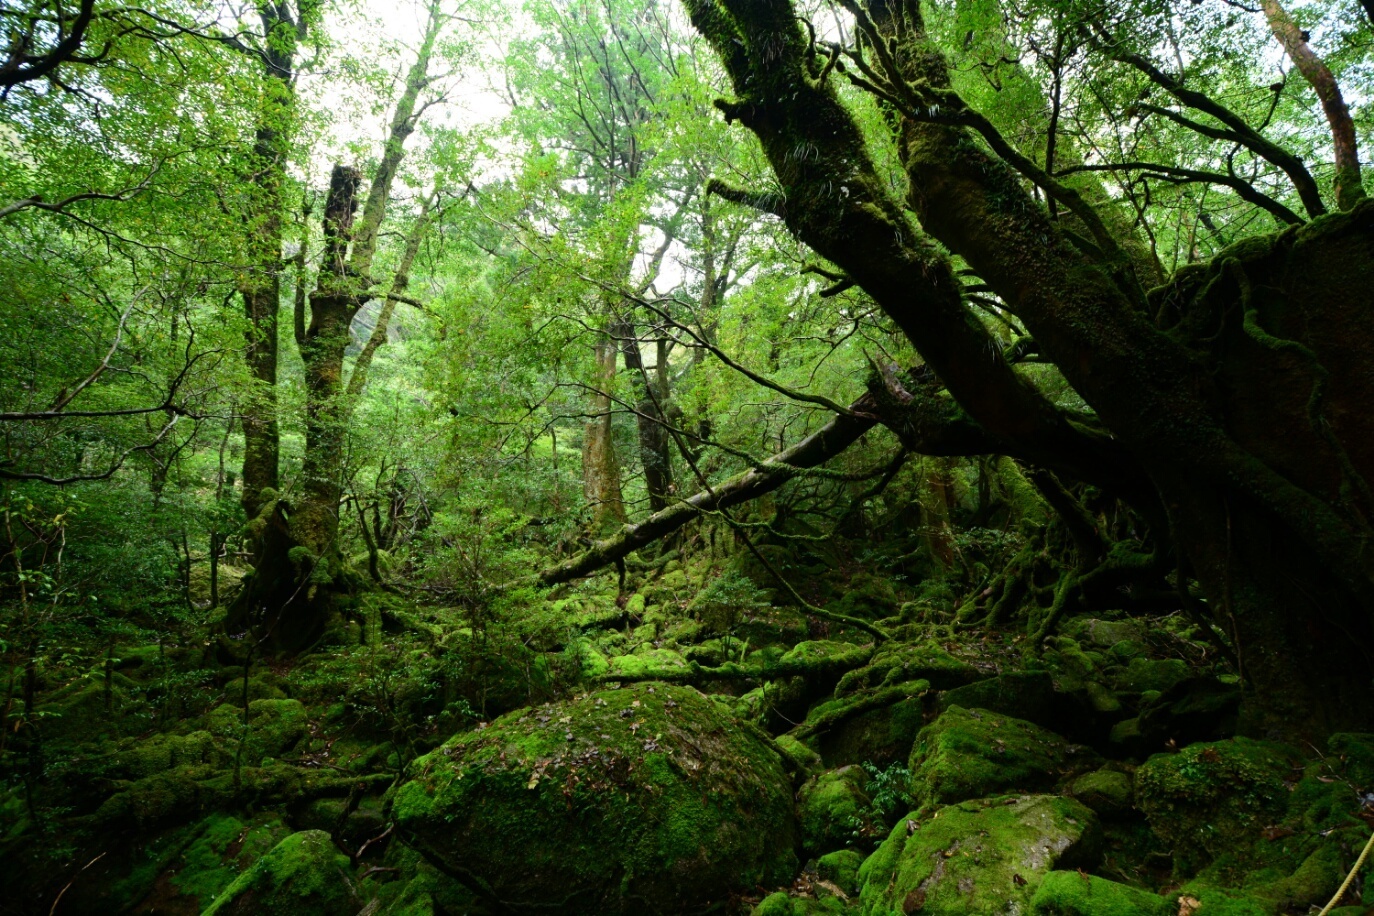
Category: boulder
[1212,798]
[1072,893]
[651,798]
[976,753]
[303,875]
[1027,695]
[977,858]
[833,809]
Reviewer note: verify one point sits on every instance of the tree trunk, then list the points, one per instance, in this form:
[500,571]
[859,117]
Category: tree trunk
[600,468]
[655,453]
[1230,406]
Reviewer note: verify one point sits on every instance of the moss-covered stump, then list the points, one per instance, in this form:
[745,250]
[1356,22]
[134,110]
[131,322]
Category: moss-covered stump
[1209,799]
[1073,893]
[978,858]
[975,753]
[645,799]
[833,810]
[303,875]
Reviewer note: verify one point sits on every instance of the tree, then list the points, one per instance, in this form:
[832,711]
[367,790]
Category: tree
[300,568]
[1222,406]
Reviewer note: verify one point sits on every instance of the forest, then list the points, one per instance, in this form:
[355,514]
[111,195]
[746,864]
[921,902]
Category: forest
[753,457]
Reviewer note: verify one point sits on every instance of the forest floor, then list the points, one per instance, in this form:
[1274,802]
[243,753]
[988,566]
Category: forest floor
[678,745]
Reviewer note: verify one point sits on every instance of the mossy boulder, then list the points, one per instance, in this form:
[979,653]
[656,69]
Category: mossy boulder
[841,868]
[650,797]
[1106,791]
[1026,695]
[275,727]
[977,858]
[833,808]
[1073,893]
[1144,674]
[975,753]
[644,663]
[1211,798]
[303,875]
[881,736]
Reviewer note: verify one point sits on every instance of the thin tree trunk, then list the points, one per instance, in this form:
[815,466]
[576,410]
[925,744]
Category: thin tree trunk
[600,467]
[1347,182]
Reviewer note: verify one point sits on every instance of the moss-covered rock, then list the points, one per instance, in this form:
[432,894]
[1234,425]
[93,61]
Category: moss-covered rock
[833,809]
[977,858]
[648,796]
[1151,674]
[1106,791]
[841,868]
[881,736]
[975,753]
[1026,695]
[1073,893]
[303,875]
[274,728]
[1211,798]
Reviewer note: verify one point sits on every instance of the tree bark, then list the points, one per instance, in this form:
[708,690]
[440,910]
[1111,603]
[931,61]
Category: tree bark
[1230,397]
[1347,183]
[600,467]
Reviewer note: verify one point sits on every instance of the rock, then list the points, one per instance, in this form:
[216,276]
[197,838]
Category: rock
[1107,633]
[806,760]
[648,794]
[1072,893]
[841,868]
[783,904]
[976,753]
[1191,710]
[1151,674]
[832,809]
[644,663]
[977,858]
[275,727]
[303,875]
[1108,792]
[1027,695]
[1212,798]
[879,736]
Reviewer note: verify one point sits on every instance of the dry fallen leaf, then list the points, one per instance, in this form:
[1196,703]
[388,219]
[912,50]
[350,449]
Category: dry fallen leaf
[1187,906]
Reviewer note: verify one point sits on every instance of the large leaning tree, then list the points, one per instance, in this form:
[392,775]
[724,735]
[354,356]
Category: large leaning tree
[1227,386]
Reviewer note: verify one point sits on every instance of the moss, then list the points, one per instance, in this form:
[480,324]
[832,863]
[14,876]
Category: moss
[1211,798]
[833,809]
[274,728]
[841,868]
[976,858]
[648,793]
[644,663]
[1144,674]
[1072,893]
[303,875]
[881,736]
[896,662]
[1106,791]
[802,756]
[974,753]
[224,847]
[160,753]
[1026,695]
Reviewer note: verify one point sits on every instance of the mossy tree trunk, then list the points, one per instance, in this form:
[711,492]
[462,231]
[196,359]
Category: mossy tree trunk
[299,571]
[1229,407]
